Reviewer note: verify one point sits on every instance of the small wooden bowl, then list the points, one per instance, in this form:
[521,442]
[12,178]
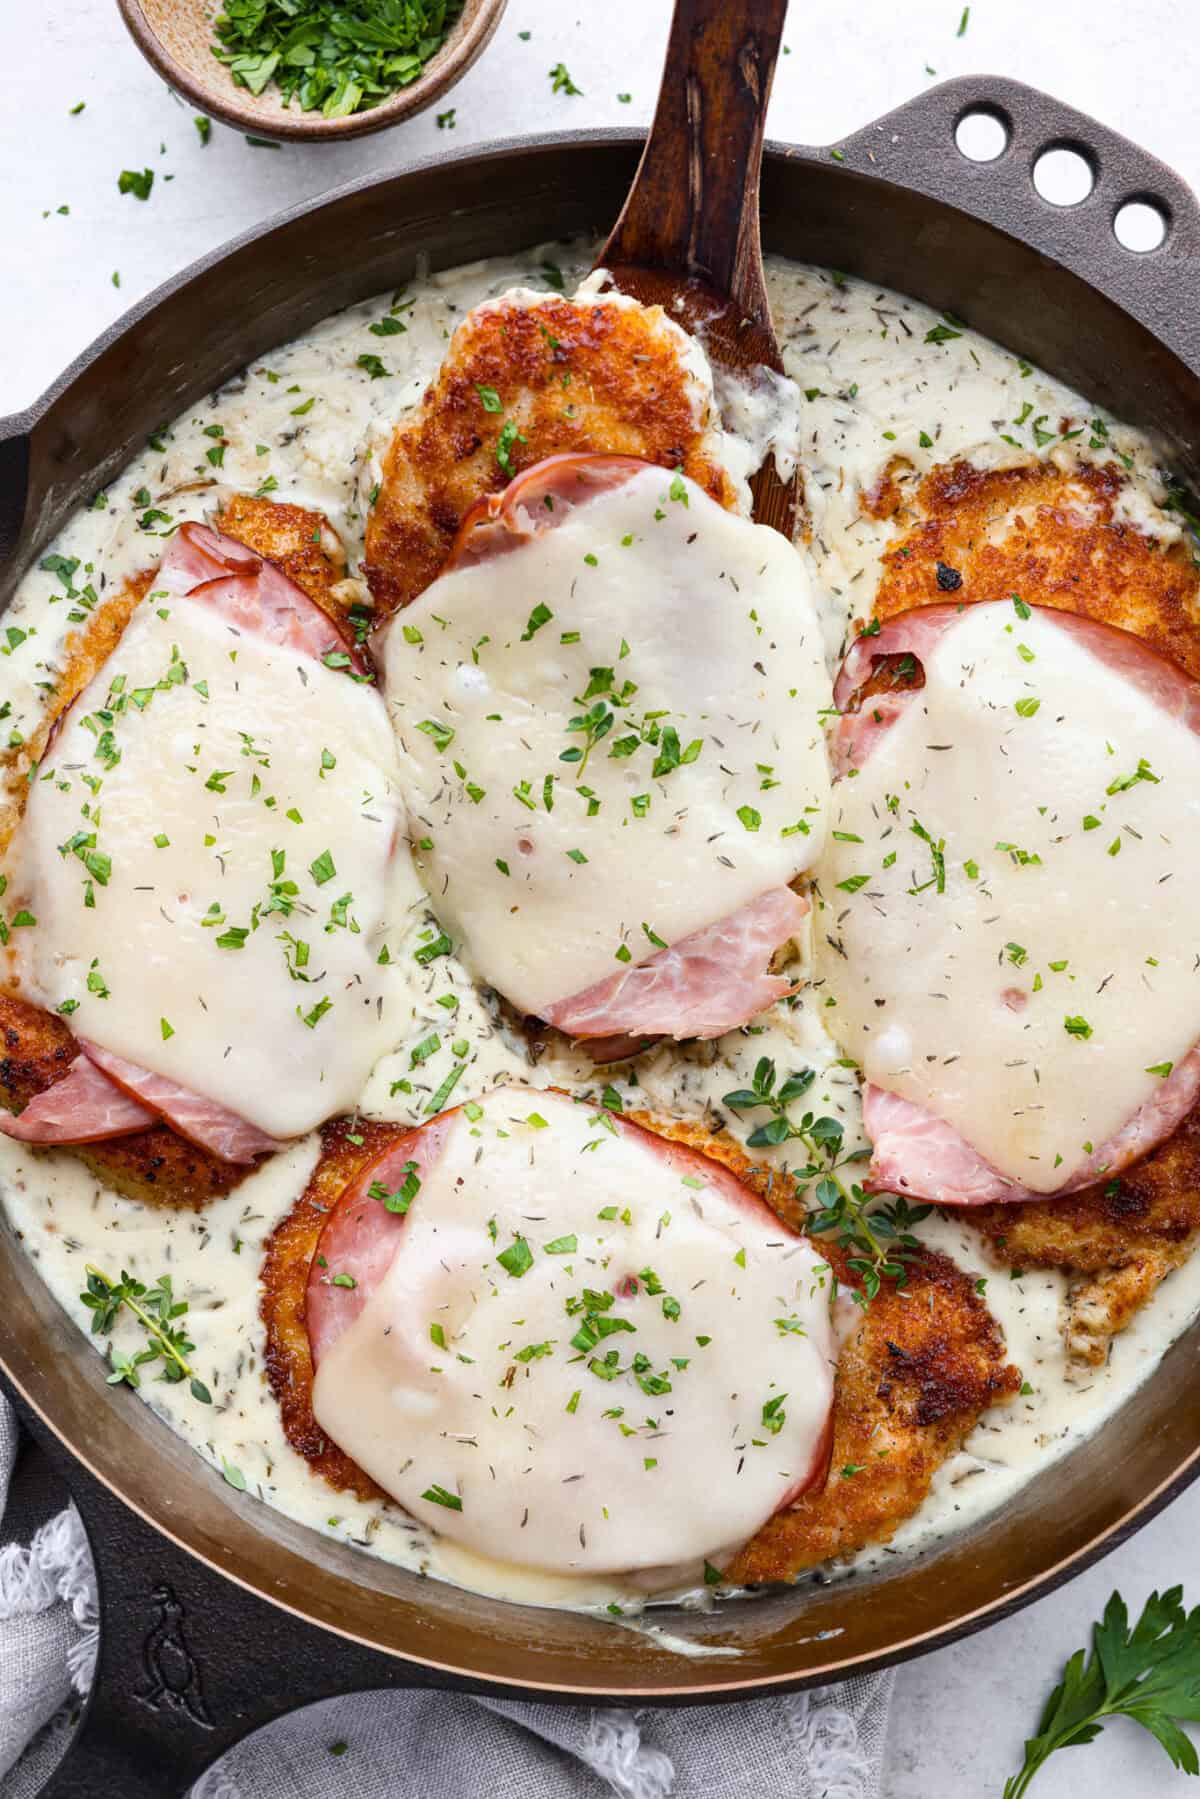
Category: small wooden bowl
[176,36]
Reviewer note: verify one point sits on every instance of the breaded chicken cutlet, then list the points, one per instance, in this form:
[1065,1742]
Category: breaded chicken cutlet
[1056,537]
[156,1165]
[528,376]
[925,1361]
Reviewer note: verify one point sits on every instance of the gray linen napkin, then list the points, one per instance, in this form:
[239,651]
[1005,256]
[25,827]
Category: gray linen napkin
[397,1745]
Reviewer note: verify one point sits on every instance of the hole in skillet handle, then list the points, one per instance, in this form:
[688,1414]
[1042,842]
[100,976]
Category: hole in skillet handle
[1065,174]
[983,133]
[189,1662]
[1141,223]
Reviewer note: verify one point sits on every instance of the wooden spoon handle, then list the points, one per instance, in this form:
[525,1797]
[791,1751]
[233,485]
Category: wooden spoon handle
[693,206]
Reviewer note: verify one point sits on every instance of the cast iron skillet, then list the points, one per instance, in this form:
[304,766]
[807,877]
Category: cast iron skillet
[220,1613]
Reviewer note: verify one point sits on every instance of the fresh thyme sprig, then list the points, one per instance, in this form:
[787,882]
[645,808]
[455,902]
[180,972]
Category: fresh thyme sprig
[875,1230]
[155,1309]
[1150,1674]
[593,724]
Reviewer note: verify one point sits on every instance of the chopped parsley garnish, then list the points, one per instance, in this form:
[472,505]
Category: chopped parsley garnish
[517,1259]
[136,182]
[443,735]
[937,852]
[509,435]
[773,1415]
[399,1199]
[541,615]
[438,1099]
[441,1496]
[1143,772]
[335,57]
[429,952]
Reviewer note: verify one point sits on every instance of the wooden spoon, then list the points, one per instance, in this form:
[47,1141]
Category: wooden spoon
[688,235]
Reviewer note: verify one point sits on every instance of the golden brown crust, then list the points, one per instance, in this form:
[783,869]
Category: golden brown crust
[346,1147]
[154,1165]
[925,1362]
[598,378]
[300,542]
[1126,1235]
[1050,535]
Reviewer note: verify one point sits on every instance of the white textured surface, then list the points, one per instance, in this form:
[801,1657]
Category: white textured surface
[960,1715]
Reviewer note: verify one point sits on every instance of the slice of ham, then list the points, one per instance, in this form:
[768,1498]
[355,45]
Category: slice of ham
[914,1152]
[200,1120]
[203,564]
[715,979]
[362,1238]
[702,986]
[922,1157]
[84,1107]
[865,720]
[536,501]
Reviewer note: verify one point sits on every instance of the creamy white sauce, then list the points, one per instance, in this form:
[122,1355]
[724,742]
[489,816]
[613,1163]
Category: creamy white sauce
[695,630]
[871,385]
[573,1323]
[1027,969]
[221,917]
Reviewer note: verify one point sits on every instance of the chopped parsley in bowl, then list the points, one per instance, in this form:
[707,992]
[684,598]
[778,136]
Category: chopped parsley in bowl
[311,69]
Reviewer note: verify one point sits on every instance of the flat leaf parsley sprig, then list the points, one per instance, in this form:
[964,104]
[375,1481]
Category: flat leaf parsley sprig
[1150,1674]
[156,1309]
[874,1229]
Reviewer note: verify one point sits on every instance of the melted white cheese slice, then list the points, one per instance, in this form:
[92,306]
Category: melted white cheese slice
[679,619]
[1039,1000]
[211,769]
[460,1374]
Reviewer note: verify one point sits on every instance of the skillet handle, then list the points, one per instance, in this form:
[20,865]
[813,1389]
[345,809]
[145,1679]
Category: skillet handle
[14,488]
[915,146]
[189,1662]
